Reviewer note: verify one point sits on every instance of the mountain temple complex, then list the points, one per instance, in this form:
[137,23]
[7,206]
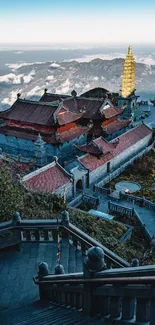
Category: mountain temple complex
[58,125]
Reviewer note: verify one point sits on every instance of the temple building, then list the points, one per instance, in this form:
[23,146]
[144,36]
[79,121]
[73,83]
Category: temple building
[54,124]
[50,178]
[97,160]
[58,129]
[101,157]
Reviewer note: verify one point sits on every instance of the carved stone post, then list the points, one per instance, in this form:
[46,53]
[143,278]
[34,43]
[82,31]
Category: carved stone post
[16,219]
[59,269]
[94,262]
[43,271]
[135,262]
[65,222]
[65,217]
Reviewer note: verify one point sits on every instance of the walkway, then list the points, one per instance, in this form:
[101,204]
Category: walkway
[146,215]
[17,270]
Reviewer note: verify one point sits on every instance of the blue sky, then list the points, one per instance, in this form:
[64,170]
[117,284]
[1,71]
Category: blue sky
[91,21]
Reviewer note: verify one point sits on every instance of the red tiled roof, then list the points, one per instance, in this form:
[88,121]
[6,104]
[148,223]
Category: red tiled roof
[67,117]
[115,126]
[104,145]
[55,138]
[91,162]
[47,179]
[112,111]
[30,127]
[90,148]
[73,133]
[48,97]
[126,141]
[31,112]
[97,147]
[89,107]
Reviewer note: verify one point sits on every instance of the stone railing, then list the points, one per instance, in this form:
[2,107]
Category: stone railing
[77,237]
[75,202]
[121,210]
[149,205]
[47,231]
[119,296]
[131,198]
[90,199]
[141,201]
[102,190]
[143,226]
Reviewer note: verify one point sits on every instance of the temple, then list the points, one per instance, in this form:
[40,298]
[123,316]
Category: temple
[96,160]
[128,98]
[128,76]
[56,124]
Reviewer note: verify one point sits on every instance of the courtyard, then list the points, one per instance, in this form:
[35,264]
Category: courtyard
[141,172]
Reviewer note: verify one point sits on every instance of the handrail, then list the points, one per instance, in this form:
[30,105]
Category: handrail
[30,225]
[123,280]
[92,242]
[58,277]
[139,271]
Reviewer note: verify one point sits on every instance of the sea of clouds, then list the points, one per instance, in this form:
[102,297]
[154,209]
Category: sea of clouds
[23,82]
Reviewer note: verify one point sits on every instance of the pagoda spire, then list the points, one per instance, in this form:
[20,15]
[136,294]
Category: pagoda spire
[128,75]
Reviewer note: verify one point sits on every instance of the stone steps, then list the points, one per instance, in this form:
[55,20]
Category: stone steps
[41,314]
[19,268]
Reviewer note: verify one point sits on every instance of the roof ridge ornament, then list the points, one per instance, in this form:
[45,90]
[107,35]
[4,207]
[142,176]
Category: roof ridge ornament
[74,93]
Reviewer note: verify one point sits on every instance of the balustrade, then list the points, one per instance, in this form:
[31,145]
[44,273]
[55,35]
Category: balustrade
[47,231]
[112,298]
[39,234]
[123,295]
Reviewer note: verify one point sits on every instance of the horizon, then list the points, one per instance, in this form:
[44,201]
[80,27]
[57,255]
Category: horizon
[79,22]
[24,47]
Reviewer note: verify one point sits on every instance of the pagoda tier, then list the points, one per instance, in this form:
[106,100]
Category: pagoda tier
[128,76]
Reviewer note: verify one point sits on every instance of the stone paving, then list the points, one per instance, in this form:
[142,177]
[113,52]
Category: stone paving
[146,215]
[17,269]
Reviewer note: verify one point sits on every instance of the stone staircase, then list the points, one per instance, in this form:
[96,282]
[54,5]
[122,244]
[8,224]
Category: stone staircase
[44,314]
[17,269]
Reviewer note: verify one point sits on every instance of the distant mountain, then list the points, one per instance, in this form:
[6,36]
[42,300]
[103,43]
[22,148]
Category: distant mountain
[63,77]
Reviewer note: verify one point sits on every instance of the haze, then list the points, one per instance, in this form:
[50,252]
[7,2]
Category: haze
[81,21]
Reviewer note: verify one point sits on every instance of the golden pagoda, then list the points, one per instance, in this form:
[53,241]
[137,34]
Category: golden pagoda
[128,76]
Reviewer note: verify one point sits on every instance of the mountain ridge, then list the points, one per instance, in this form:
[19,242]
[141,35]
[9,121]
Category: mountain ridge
[62,77]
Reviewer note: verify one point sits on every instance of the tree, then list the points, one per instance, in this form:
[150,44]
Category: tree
[10,196]
[13,197]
